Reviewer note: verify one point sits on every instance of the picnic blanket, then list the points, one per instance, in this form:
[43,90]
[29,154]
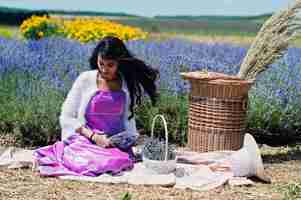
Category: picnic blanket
[193,171]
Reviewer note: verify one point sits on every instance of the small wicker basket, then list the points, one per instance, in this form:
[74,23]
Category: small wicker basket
[218,106]
[160,166]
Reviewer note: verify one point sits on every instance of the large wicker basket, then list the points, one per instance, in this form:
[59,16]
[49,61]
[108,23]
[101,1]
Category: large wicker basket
[217,111]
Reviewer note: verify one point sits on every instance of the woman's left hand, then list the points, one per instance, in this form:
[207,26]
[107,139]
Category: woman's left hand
[101,140]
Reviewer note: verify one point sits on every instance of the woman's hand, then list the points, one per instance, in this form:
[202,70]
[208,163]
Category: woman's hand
[98,136]
[101,140]
[84,131]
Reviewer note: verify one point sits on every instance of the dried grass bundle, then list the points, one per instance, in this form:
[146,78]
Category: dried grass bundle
[271,41]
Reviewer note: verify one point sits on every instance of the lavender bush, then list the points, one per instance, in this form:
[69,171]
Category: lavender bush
[36,76]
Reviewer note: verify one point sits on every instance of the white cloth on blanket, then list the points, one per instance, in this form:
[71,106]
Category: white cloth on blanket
[12,157]
[200,177]
[197,176]
[138,176]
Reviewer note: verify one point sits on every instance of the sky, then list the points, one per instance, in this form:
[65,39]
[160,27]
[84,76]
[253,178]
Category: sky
[151,8]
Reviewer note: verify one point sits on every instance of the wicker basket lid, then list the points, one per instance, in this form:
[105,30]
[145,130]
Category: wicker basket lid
[215,78]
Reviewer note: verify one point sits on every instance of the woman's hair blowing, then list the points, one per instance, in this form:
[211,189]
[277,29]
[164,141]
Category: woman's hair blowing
[138,76]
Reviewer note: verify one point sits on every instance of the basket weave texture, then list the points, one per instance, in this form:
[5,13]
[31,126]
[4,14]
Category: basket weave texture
[218,106]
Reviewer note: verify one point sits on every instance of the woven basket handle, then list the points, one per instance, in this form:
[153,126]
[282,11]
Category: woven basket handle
[166,132]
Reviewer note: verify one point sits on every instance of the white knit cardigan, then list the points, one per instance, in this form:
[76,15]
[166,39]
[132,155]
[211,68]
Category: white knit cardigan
[74,107]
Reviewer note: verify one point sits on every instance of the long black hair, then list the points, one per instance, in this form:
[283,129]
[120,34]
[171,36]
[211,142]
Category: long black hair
[136,73]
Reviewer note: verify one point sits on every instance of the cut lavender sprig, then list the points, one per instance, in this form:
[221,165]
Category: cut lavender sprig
[154,149]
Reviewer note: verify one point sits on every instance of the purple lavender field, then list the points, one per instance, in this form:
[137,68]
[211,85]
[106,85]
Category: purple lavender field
[36,76]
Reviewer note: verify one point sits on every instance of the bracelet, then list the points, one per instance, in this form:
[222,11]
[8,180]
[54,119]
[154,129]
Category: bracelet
[91,136]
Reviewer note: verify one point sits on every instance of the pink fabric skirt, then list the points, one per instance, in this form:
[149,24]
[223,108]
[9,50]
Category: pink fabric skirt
[77,155]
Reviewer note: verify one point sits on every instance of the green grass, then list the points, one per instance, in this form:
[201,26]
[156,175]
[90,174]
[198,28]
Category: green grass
[291,191]
[297,42]
[215,33]
[200,26]
[9,31]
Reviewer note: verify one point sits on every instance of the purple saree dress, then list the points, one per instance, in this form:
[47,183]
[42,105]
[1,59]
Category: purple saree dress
[77,155]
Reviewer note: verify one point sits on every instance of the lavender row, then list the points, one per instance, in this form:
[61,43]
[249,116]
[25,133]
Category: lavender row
[59,61]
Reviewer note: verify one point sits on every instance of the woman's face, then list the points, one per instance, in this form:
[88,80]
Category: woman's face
[108,68]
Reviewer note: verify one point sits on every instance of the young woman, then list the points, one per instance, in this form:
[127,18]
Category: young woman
[98,115]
